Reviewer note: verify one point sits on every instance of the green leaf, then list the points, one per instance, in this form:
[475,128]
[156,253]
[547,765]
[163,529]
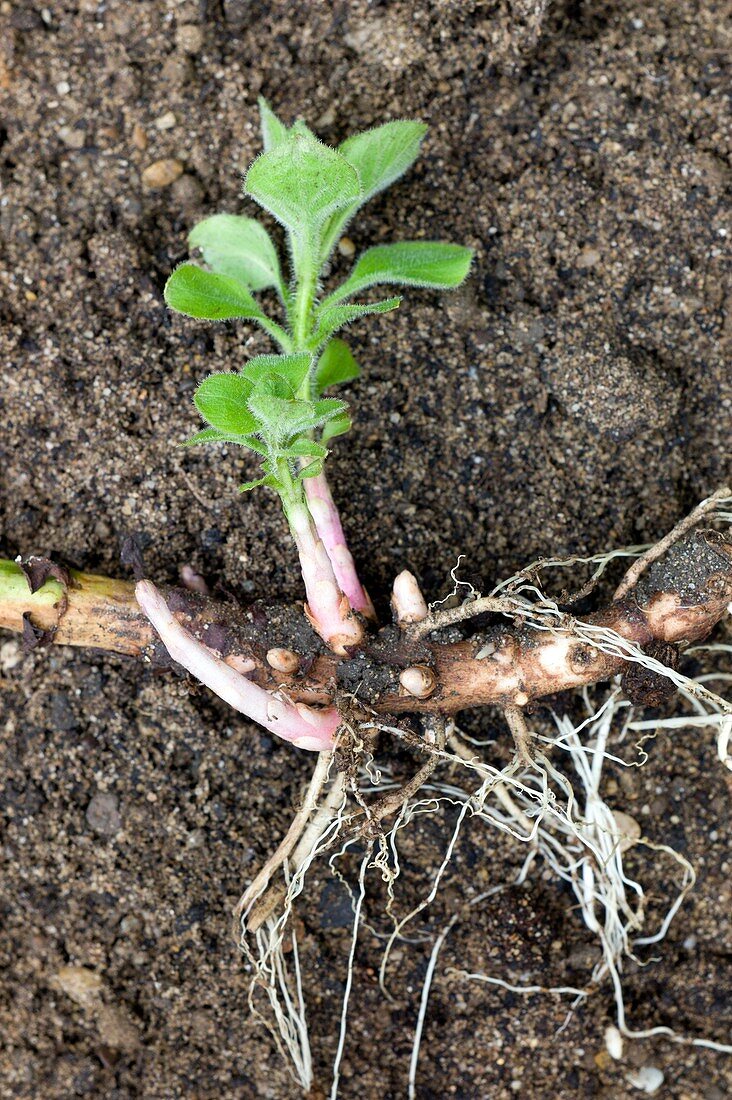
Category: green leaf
[301,182]
[312,469]
[299,126]
[221,399]
[332,317]
[382,155]
[268,479]
[328,408]
[208,435]
[304,447]
[199,293]
[281,419]
[213,435]
[238,247]
[408,263]
[335,366]
[274,132]
[339,425]
[294,369]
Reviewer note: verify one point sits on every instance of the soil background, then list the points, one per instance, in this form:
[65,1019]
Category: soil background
[571,398]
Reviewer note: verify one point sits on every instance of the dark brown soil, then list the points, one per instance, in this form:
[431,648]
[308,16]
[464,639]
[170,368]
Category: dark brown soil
[573,397]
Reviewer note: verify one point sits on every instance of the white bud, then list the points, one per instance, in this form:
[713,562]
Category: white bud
[418,681]
[407,601]
[283,660]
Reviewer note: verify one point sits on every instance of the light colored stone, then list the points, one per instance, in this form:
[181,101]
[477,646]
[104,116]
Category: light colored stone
[166,121]
[189,38]
[102,814]
[79,983]
[161,173]
[72,137]
[629,829]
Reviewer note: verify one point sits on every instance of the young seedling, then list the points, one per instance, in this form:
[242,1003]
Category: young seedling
[274,405]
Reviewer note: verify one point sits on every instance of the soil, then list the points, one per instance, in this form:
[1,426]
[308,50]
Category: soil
[571,398]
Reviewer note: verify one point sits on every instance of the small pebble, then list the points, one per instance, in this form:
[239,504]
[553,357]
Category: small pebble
[166,121]
[588,257]
[177,70]
[629,829]
[139,137]
[11,654]
[346,247]
[63,87]
[72,137]
[187,192]
[327,119]
[189,38]
[103,815]
[116,1029]
[647,1079]
[79,983]
[161,173]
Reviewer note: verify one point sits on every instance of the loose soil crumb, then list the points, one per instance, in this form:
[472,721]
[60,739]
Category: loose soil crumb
[571,398]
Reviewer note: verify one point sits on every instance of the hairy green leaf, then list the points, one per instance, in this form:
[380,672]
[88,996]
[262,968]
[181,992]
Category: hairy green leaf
[301,181]
[313,469]
[268,479]
[382,155]
[300,127]
[335,366]
[281,419]
[331,317]
[408,263]
[294,369]
[221,399]
[273,131]
[213,435]
[304,447]
[238,247]
[339,425]
[199,293]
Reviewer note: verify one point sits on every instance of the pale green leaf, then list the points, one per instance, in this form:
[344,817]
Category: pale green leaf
[273,131]
[339,425]
[301,182]
[208,435]
[294,369]
[304,447]
[382,155]
[313,469]
[283,419]
[221,399]
[213,435]
[408,263]
[238,247]
[332,317]
[335,366]
[199,293]
[268,480]
[300,127]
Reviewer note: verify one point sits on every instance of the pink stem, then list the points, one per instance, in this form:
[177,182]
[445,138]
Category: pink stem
[305,727]
[328,607]
[328,525]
